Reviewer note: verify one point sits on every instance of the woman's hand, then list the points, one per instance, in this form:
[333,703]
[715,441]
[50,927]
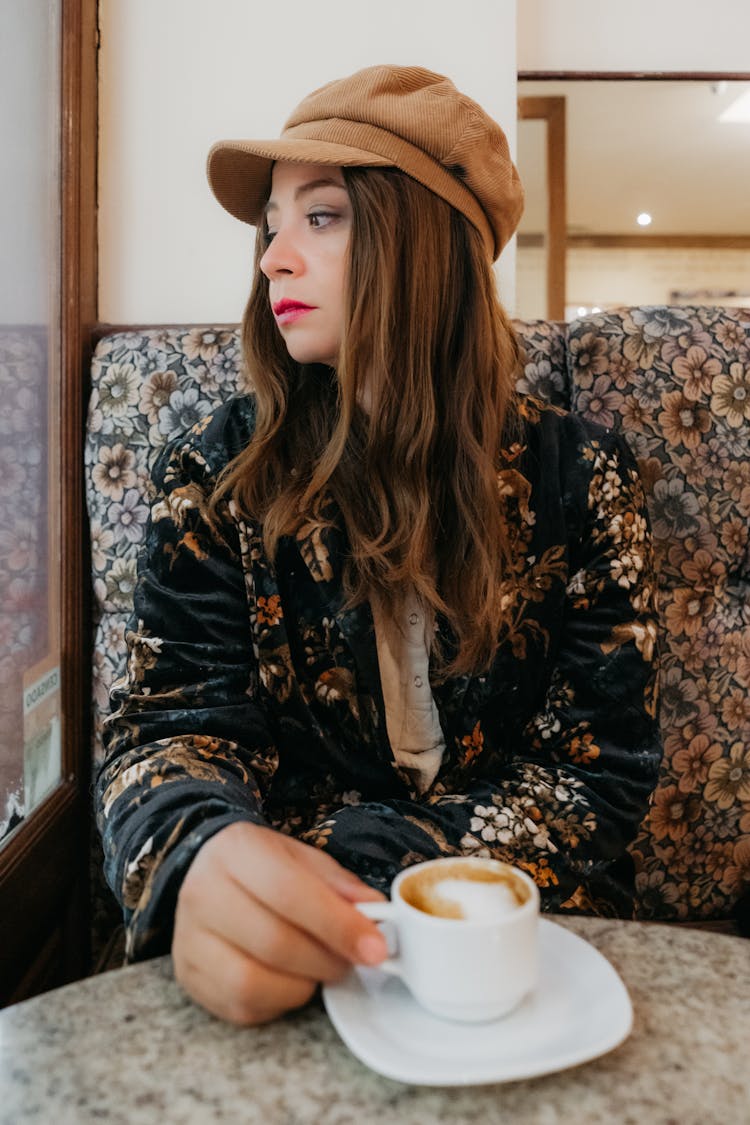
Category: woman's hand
[262,918]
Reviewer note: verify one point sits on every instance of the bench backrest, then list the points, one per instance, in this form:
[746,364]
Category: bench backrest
[676,381]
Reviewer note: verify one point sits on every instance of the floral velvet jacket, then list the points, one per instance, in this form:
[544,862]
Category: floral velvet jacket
[251,695]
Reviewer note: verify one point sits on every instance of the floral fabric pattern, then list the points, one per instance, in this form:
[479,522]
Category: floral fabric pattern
[676,382]
[673,381]
[147,387]
[544,373]
[282,720]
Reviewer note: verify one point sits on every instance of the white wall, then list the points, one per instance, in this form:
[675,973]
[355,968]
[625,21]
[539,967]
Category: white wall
[176,75]
[637,35]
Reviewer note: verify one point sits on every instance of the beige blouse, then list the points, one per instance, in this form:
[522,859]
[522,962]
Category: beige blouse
[411,714]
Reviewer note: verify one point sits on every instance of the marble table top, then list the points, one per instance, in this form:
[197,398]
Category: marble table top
[129,1048]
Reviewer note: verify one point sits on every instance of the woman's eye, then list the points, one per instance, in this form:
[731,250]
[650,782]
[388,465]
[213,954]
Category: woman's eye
[268,237]
[321,218]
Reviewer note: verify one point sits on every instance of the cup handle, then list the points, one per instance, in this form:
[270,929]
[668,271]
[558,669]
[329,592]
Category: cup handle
[383,912]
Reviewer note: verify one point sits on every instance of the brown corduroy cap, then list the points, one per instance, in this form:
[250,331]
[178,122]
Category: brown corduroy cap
[386,116]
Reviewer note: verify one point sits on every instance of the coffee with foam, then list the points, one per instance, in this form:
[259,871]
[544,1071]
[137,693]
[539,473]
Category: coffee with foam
[464,931]
[465,891]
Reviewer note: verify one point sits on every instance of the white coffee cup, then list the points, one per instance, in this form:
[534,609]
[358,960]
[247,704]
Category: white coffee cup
[477,964]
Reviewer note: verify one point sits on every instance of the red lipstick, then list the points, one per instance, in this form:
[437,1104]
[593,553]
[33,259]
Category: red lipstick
[287,311]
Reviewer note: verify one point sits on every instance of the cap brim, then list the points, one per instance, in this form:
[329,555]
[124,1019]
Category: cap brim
[239,172]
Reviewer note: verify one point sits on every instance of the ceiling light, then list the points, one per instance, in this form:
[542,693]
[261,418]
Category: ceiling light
[644,219]
[738,110]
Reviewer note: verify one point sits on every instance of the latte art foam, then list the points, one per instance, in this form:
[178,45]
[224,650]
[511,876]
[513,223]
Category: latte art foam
[465,891]
[476,902]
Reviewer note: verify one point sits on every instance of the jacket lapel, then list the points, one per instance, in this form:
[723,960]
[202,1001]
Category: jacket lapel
[323,545]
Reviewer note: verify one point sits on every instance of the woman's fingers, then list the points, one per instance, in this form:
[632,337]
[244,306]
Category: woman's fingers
[261,861]
[261,919]
[348,885]
[233,986]
[230,911]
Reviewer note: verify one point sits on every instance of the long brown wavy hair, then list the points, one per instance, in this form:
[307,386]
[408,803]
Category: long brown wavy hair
[416,476]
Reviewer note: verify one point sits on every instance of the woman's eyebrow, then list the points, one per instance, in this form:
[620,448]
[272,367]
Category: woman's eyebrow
[304,188]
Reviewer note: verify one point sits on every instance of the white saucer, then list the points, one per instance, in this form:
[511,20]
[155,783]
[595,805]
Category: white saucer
[580,1010]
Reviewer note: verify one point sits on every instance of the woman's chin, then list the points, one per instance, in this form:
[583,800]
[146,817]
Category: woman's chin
[308,356]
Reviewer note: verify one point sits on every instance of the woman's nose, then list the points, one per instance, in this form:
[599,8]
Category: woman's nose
[281,256]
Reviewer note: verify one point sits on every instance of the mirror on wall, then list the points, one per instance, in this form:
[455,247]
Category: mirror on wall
[655,194]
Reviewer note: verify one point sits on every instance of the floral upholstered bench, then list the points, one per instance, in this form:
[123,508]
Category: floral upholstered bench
[676,381]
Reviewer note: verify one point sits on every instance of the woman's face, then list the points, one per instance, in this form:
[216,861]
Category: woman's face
[308,221]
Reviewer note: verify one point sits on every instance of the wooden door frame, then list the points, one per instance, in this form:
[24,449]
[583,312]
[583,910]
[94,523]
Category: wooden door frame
[44,864]
[551,110]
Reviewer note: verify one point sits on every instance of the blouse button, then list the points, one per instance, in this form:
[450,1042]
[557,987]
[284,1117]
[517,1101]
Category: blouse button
[417,681]
[413,618]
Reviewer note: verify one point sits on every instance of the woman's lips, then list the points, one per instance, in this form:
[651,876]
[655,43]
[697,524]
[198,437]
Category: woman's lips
[286,312]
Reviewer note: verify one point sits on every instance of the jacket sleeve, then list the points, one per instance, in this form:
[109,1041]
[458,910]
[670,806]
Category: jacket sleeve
[175,771]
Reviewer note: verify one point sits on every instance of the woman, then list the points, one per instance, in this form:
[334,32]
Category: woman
[387,610]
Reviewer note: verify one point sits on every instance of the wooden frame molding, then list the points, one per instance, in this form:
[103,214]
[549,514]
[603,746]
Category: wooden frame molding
[633,75]
[660,241]
[551,110]
[78,317]
[44,865]
[647,241]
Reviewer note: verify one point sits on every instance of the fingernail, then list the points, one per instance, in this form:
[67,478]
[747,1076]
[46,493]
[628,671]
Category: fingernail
[371,949]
